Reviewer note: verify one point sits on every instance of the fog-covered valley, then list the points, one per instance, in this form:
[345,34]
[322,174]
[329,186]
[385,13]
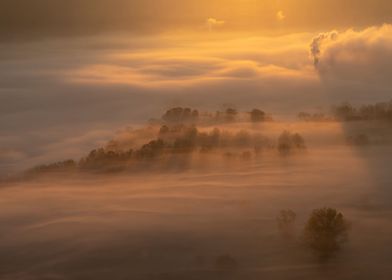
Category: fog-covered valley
[206,205]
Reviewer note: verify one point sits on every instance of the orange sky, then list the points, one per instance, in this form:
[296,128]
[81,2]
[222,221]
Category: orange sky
[59,17]
[71,65]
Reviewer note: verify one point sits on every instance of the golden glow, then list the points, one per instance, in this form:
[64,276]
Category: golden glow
[280,15]
[189,59]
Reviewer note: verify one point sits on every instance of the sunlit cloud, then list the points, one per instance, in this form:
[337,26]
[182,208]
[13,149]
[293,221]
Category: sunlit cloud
[203,59]
[109,80]
[280,16]
[362,56]
[213,23]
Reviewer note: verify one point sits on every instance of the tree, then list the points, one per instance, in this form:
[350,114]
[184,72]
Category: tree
[231,114]
[257,115]
[345,112]
[180,115]
[66,165]
[151,150]
[288,141]
[326,231]
[298,141]
[303,116]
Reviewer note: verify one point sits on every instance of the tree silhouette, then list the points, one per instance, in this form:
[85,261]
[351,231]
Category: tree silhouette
[179,115]
[288,141]
[231,114]
[151,150]
[326,231]
[257,115]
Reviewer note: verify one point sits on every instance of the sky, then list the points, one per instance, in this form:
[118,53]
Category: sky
[73,72]
[20,18]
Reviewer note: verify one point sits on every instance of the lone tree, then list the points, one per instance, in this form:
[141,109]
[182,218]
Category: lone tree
[326,231]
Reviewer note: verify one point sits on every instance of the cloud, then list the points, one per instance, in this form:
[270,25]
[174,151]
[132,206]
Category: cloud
[55,93]
[212,23]
[355,56]
[315,46]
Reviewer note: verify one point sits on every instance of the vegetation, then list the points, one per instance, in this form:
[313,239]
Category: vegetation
[346,112]
[378,111]
[257,115]
[288,142]
[178,134]
[66,165]
[101,157]
[326,231]
[316,117]
[181,115]
[179,139]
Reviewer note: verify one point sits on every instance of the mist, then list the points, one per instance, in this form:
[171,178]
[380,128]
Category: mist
[70,95]
[205,212]
[167,139]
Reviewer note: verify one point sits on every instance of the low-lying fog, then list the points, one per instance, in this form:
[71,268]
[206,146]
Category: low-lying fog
[180,223]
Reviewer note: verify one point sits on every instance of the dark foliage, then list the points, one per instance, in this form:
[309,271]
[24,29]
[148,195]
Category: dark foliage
[379,111]
[316,117]
[326,231]
[257,115]
[181,115]
[288,142]
[151,150]
[101,157]
[66,165]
